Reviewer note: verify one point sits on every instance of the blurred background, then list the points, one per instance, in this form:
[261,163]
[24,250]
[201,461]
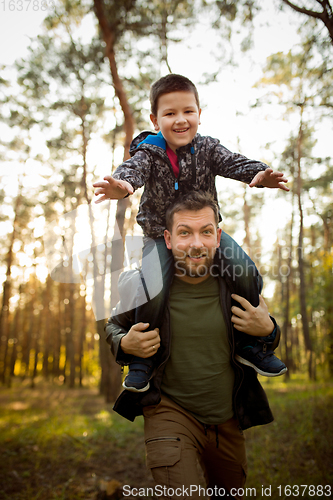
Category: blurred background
[74,86]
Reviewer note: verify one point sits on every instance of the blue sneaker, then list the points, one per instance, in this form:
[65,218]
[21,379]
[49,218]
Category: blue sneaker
[262,360]
[140,372]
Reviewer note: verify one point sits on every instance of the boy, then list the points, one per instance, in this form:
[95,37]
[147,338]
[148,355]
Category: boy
[177,160]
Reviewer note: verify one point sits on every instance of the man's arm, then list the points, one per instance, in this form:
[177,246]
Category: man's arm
[254,321]
[126,338]
[137,342]
[132,342]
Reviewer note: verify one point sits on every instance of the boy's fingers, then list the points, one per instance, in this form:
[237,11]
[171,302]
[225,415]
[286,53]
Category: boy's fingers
[99,184]
[109,179]
[100,199]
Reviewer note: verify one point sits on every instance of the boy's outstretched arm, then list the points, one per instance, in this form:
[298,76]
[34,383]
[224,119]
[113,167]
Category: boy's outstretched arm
[112,189]
[270,179]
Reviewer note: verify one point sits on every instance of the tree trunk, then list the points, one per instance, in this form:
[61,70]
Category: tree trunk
[109,38]
[4,312]
[110,382]
[286,321]
[302,284]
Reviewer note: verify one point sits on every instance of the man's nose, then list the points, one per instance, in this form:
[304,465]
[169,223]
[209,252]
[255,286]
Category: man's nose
[196,241]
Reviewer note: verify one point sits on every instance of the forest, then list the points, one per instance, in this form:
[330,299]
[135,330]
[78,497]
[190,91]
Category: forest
[69,110]
[70,107]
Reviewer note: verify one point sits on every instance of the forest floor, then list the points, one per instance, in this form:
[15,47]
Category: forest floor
[67,444]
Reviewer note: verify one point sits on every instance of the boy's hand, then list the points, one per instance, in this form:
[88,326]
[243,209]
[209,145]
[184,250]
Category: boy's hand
[254,321]
[269,179]
[140,343]
[112,189]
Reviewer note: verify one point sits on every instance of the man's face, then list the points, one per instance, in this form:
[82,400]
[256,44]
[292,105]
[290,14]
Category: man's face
[193,241]
[178,118]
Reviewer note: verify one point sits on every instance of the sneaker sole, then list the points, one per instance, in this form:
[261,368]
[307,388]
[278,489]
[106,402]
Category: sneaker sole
[134,389]
[261,372]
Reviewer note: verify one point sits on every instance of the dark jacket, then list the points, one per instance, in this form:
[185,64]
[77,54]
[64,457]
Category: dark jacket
[249,399]
[199,163]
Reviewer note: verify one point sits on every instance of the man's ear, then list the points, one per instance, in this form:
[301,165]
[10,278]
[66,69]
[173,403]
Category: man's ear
[167,237]
[219,232]
[153,119]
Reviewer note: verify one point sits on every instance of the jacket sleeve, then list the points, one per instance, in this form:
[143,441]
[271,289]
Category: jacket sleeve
[116,328]
[234,165]
[136,170]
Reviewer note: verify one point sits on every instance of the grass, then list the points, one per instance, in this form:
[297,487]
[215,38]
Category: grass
[296,449]
[62,444]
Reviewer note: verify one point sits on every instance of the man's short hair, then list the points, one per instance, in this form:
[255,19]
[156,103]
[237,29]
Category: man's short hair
[171,83]
[195,200]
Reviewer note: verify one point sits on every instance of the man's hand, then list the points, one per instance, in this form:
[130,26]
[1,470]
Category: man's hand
[112,189]
[270,179]
[140,343]
[254,321]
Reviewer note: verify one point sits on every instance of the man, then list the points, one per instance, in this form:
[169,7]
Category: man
[200,398]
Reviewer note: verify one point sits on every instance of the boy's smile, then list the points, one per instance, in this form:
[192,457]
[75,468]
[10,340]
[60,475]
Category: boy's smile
[178,118]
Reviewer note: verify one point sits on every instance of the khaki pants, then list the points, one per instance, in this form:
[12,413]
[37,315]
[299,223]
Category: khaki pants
[176,443]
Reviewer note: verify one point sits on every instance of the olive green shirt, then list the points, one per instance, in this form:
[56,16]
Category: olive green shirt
[198,375]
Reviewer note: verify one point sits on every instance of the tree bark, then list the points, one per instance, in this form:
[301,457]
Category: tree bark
[4,313]
[302,285]
[109,37]
[110,383]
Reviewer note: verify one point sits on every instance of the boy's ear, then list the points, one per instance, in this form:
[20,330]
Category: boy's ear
[199,116]
[153,119]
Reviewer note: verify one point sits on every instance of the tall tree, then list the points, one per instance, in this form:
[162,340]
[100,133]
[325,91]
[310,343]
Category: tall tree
[301,89]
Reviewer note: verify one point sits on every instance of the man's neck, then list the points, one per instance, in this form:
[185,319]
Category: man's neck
[192,280]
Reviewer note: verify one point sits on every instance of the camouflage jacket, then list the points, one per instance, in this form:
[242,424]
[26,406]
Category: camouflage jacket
[199,163]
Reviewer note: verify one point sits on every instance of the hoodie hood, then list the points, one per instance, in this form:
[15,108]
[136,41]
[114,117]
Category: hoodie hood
[147,137]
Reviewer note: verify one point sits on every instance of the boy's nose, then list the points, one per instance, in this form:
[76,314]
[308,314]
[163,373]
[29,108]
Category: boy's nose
[180,119]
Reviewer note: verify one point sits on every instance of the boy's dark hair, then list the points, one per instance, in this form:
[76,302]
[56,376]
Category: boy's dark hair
[194,200]
[171,83]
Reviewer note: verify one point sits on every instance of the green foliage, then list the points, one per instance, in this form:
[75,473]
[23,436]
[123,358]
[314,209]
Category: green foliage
[295,448]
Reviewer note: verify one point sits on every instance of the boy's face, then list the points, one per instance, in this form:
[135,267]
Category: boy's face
[178,118]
